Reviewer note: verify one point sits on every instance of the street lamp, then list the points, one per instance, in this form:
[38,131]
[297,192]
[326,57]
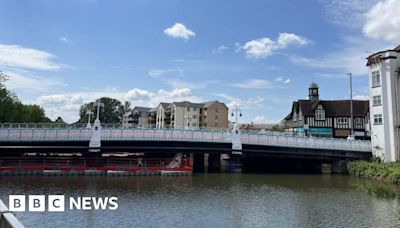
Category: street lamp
[89,113]
[351,136]
[237,110]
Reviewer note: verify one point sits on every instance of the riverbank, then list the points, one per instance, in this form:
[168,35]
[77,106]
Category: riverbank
[388,172]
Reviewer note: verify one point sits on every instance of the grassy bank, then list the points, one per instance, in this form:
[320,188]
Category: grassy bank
[389,172]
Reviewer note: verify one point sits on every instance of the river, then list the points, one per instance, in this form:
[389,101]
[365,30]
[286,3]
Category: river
[211,200]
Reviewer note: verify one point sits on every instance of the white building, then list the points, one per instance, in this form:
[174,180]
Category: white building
[384,92]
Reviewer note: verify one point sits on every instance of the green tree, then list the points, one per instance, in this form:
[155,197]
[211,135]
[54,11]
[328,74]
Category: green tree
[12,110]
[112,111]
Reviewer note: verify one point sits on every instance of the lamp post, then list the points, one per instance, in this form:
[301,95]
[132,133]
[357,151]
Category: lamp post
[89,113]
[351,136]
[236,110]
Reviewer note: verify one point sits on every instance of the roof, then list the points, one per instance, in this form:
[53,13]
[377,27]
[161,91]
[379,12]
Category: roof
[376,57]
[165,105]
[140,109]
[209,103]
[333,108]
[313,86]
[188,104]
[153,109]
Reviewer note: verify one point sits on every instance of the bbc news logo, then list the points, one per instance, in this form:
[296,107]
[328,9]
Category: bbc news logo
[57,203]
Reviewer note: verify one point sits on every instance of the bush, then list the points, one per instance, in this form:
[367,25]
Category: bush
[376,169]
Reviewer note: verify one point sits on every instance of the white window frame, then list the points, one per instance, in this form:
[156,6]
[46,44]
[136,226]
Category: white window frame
[378,119]
[320,113]
[376,79]
[342,120]
[377,100]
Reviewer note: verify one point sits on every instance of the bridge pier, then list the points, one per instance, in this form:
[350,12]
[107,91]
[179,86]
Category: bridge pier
[198,163]
[339,167]
[214,162]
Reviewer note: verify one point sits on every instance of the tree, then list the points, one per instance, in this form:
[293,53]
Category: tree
[12,110]
[279,127]
[112,111]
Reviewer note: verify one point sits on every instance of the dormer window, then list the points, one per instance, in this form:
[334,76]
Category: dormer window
[320,113]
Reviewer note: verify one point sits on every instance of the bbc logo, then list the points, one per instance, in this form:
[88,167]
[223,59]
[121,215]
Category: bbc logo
[36,203]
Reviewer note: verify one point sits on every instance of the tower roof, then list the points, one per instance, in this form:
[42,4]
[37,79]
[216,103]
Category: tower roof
[313,86]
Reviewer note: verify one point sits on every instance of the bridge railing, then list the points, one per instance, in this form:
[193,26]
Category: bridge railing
[306,142]
[45,134]
[23,134]
[163,134]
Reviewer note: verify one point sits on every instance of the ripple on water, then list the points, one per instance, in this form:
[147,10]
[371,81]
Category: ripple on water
[212,200]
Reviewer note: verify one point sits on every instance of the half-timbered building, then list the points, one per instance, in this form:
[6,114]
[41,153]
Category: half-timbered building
[328,118]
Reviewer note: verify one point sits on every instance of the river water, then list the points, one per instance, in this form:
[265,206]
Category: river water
[212,200]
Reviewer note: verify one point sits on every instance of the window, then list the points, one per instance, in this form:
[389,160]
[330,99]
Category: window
[376,79]
[320,113]
[378,119]
[216,110]
[194,109]
[342,120]
[188,109]
[358,120]
[377,100]
[216,117]
[194,116]
[194,124]
[295,116]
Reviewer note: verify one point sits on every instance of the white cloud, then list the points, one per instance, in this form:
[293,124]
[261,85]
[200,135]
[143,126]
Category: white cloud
[259,48]
[286,39]
[250,103]
[138,95]
[17,56]
[179,30]
[253,84]
[361,97]
[347,13]
[160,72]
[31,83]
[383,21]
[287,81]
[264,47]
[67,105]
[220,49]
[65,40]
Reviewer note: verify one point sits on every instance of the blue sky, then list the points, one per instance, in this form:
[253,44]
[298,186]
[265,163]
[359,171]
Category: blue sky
[261,55]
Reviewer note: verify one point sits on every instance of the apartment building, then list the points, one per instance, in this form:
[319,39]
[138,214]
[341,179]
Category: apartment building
[214,115]
[384,92]
[185,115]
[137,117]
[163,116]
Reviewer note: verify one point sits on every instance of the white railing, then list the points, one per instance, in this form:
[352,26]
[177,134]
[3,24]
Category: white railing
[26,135]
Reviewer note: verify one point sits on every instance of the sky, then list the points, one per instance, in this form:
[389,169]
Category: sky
[258,55]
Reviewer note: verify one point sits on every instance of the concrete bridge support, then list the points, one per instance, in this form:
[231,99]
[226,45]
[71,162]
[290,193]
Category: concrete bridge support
[198,163]
[214,162]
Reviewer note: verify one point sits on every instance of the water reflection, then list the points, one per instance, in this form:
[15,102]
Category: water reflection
[212,200]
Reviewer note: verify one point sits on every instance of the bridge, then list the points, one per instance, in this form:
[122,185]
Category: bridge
[97,140]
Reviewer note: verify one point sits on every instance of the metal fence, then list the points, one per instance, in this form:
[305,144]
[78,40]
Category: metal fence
[23,134]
